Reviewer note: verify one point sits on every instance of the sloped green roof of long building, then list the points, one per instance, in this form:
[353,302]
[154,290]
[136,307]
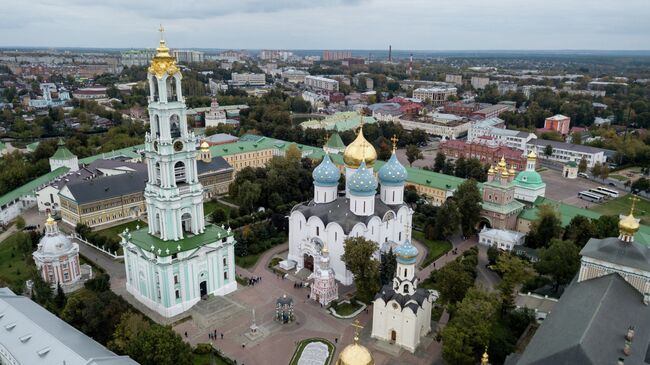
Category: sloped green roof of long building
[131,152]
[28,188]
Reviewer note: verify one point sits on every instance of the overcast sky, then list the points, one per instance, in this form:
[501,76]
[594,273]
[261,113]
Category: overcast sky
[330,24]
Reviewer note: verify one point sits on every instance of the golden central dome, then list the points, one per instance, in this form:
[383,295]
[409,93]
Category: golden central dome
[163,62]
[205,145]
[532,155]
[355,354]
[628,224]
[359,150]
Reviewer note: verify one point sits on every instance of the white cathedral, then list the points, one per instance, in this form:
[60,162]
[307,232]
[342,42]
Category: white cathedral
[177,259]
[330,218]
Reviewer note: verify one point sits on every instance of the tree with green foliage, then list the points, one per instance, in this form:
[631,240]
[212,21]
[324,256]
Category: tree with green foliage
[580,230]
[413,154]
[448,219]
[95,314]
[468,198]
[545,227]
[596,169]
[20,222]
[387,267]
[582,165]
[82,229]
[453,281]
[357,256]
[23,243]
[604,172]
[560,261]
[606,226]
[469,330]
[548,150]
[439,162]
[149,343]
[641,184]
[218,215]
[460,167]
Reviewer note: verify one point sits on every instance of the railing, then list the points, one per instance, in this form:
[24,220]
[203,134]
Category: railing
[114,255]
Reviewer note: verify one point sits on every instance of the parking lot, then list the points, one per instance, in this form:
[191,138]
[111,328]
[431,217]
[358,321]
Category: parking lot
[566,191]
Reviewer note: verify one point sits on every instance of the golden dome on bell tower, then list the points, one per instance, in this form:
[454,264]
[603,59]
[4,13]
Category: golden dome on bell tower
[355,354]
[628,225]
[359,150]
[163,62]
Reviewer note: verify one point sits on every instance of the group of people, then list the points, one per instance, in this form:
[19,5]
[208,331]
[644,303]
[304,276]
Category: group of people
[211,335]
[254,280]
[299,285]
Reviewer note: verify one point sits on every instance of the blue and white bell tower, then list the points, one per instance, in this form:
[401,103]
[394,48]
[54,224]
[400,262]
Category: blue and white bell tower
[177,259]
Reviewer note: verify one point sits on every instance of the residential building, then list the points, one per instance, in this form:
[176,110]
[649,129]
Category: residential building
[401,311]
[386,112]
[294,76]
[140,57]
[322,83]
[495,128]
[435,95]
[90,93]
[479,83]
[492,111]
[48,100]
[460,108]
[33,335]
[565,152]
[446,126]
[505,87]
[454,79]
[558,123]
[336,55]
[275,54]
[188,56]
[315,99]
[247,79]
[485,149]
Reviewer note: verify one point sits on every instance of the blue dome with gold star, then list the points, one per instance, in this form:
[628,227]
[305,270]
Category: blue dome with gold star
[362,182]
[326,173]
[406,253]
[392,173]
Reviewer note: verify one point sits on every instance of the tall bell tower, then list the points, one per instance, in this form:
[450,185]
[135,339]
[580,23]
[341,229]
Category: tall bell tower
[173,194]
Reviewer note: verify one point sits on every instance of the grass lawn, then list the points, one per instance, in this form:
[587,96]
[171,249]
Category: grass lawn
[621,205]
[247,261]
[619,177]
[115,230]
[210,206]
[435,248]
[346,309]
[15,267]
[301,346]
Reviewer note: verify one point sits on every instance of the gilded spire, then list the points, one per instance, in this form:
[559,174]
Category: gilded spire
[163,62]
[628,225]
[50,220]
[394,140]
[357,328]
[485,358]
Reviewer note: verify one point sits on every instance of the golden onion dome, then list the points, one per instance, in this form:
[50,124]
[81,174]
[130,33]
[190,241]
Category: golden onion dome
[205,145]
[491,171]
[512,171]
[355,354]
[502,163]
[628,224]
[532,155]
[163,62]
[49,220]
[359,150]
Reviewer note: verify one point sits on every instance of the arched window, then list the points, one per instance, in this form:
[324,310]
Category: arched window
[156,125]
[172,94]
[158,180]
[175,126]
[154,83]
[406,272]
[186,220]
[179,172]
[406,288]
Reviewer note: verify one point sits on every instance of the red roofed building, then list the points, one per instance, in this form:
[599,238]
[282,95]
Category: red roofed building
[486,150]
[462,109]
[410,108]
[558,123]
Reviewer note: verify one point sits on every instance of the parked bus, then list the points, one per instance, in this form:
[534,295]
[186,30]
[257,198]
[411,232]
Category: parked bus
[599,193]
[590,196]
[606,191]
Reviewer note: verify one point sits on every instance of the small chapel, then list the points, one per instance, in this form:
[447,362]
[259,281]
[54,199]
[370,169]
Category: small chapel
[359,211]
[402,311]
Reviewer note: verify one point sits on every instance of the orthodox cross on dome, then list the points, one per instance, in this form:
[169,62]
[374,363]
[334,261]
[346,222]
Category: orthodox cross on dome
[162,31]
[634,199]
[394,140]
[357,328]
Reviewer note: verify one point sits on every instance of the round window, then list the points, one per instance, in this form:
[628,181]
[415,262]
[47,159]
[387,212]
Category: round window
[178,145]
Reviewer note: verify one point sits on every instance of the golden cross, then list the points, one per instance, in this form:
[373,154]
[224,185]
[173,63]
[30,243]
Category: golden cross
[394,140]
[161,30]
[357,328]
[634,199]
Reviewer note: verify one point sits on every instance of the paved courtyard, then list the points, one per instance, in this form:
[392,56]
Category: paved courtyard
[566,191]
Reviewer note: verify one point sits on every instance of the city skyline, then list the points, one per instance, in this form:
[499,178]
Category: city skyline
[334,24]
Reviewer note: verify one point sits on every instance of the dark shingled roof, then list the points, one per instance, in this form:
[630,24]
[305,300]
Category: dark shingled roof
[217,163]
[339,211]
[414,301]
[613,250]
[108,187]
[589,324]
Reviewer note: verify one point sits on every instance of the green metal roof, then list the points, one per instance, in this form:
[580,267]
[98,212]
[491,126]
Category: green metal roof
[571,164]
[63,153]
[33,146]
[30,187]
[147,242]
[335,141]
[130,152]
[340,122]
[567,212]
[529,180]
[503,208]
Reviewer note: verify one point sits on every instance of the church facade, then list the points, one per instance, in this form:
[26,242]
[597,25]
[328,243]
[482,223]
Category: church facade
[402,311]
[330,218]
[177,259]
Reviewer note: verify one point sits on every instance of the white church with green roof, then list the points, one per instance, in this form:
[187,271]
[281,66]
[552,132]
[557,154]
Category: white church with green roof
[177,259]
[63,158]
[528,183]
